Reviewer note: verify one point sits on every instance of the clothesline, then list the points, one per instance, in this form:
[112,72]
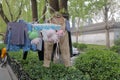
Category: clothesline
[46,26]
[20,35]
[49,7]
[47,11]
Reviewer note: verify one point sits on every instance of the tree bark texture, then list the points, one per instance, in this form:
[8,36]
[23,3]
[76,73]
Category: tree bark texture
[107,27]
[64,8]
[34,10]
[63,4]
[59,6]
[77,30]
[54,4]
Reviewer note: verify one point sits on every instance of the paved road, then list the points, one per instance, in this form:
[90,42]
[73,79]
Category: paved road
[7,74]
[4,75]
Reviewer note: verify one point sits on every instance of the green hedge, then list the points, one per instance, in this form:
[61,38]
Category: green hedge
[55,72]
[80,46]
[99,64]
[75,44]
[115,49]
[117,42]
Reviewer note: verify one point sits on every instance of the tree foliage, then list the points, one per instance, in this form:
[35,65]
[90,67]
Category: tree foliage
[12,10]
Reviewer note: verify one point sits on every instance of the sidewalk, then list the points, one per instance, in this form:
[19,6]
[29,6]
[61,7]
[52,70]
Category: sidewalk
[4,75]
[7,74]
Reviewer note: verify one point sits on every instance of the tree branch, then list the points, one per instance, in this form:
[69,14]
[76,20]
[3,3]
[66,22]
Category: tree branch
[34,10]
[44,11]
[4,17]
[9,10]
[20,11]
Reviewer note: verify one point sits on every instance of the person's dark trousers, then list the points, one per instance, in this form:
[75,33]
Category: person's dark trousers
[41,53]
[70,43]
[70,46]
[25,55]
[54,48]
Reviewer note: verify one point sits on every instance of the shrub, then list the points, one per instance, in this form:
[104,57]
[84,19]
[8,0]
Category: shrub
[93,46]
[55,72]
[60,72]
[117,42]
[75,45]
[82,46]
[99,64]
[115,49]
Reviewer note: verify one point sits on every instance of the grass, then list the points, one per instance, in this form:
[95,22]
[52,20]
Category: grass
[93,46]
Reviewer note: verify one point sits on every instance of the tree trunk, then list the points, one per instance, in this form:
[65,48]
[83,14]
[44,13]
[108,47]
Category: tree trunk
[3,15]
[63,4]
[54,6]
[77,30]
[64,8]
[107,27]
[107,39]
[34,10]
[73,23]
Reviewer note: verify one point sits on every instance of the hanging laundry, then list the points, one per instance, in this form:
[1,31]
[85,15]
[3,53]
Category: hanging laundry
[18,31]
[17,37]
[52,35]
[35,41]
[46,26]
[22,35]
[33,34]
[38,43]
[60,33]
[44,34]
